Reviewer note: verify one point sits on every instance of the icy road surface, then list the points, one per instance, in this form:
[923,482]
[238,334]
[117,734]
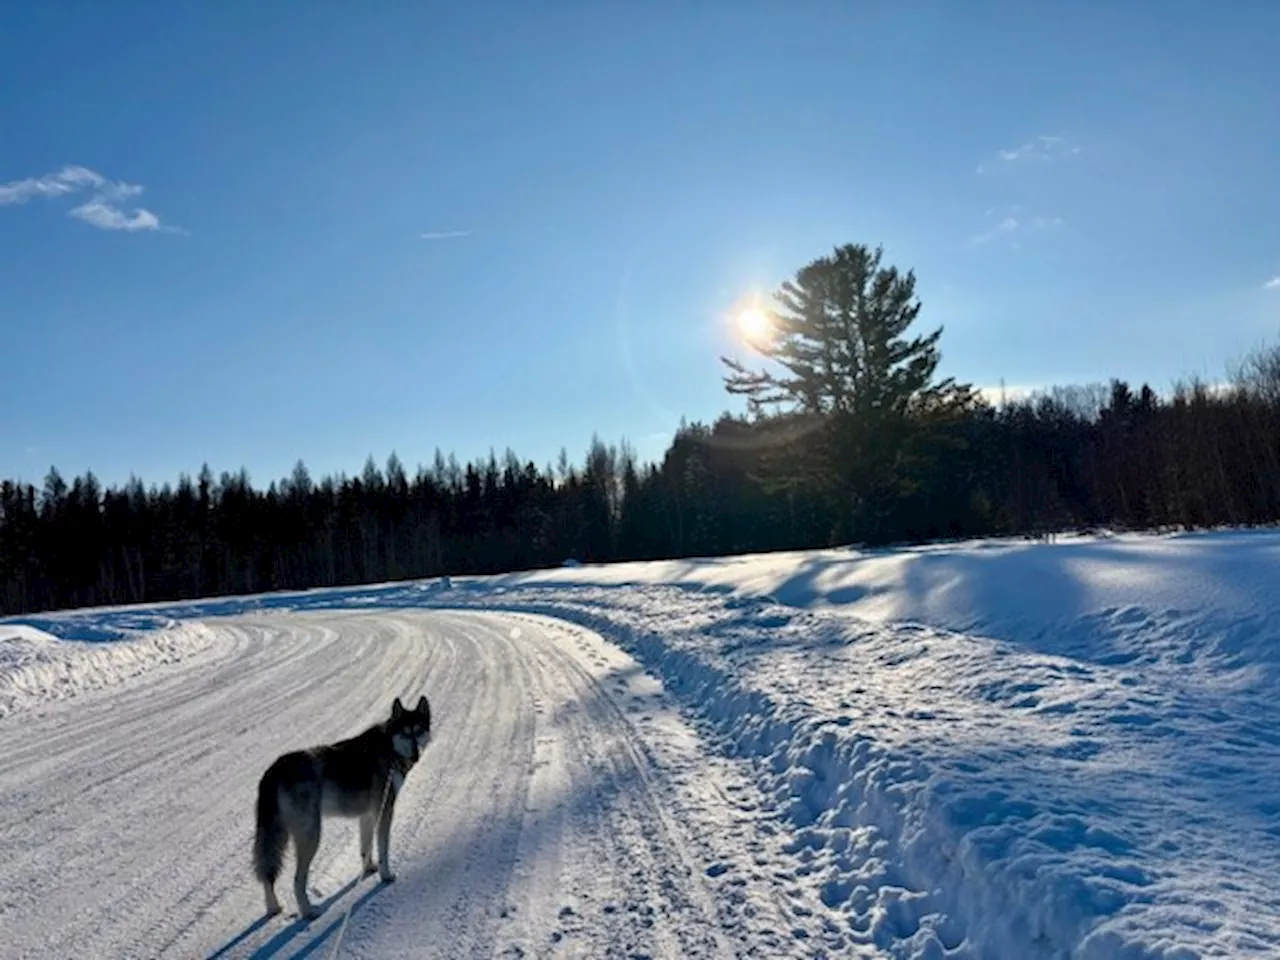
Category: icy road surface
[563,809]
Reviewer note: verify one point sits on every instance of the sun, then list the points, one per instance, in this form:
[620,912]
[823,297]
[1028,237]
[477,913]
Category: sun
[754,325]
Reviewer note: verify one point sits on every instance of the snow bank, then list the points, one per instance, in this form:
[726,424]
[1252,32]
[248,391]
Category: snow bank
[954,796]
[1206,598]
[36,666]
[1185,601]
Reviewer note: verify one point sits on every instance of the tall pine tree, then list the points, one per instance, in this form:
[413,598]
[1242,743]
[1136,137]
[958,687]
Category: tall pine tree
[854,398]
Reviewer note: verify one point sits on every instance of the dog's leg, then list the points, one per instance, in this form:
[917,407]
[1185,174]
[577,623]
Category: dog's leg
[273,902]
[366,843]
[306,841]
[384,841]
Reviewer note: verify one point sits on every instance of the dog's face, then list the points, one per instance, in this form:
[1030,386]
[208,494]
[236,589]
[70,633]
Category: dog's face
[411,729]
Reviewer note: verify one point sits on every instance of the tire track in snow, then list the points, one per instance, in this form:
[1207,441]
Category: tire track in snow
[533,827]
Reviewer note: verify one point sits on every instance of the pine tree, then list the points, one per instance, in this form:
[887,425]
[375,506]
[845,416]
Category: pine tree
[847,412]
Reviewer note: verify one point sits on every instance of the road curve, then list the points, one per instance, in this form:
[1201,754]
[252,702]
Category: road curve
[536,825]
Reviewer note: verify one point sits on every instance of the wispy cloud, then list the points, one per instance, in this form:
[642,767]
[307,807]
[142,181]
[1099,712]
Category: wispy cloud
[445,234]
[104,215]
[1010,226]
[67,180]
[1005,227]
[1272,284]
[108,206]
[1041,148]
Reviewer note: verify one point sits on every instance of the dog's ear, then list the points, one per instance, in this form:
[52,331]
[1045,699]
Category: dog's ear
[397,709]
[424,709]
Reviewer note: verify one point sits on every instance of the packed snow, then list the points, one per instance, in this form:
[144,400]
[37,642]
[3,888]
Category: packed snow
[36,667]
[998,749]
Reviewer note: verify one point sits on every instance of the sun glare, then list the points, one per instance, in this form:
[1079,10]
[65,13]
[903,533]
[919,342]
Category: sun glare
[754,325]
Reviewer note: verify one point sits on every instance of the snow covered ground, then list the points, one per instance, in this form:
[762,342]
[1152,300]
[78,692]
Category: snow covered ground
[36,667]
[984,750]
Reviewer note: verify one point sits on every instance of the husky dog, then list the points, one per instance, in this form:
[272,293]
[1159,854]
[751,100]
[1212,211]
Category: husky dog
[359,777]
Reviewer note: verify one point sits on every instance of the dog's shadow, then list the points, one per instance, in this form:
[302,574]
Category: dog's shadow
[282,939]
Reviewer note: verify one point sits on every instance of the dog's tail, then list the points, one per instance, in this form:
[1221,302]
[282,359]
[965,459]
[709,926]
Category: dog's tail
[271,837]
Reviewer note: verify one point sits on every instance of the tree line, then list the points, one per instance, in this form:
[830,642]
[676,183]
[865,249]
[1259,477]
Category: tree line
[848,436]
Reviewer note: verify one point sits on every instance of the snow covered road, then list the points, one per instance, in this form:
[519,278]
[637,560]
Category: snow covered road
[990,751]
[563,809]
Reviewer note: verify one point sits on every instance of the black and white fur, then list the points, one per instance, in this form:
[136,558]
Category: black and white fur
[359,777]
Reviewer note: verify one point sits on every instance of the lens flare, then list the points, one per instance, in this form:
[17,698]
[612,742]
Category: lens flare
[754,325]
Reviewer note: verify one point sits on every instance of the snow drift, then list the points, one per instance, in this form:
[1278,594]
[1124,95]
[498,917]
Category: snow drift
[36,666]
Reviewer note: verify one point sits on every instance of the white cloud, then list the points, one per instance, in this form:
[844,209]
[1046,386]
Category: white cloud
[107,207]
[1038,149]
[102,214]
[445,234]
[1006,226]
[1009,226]
[1046,223]
[67,180]
[1272,284]
[1041,148]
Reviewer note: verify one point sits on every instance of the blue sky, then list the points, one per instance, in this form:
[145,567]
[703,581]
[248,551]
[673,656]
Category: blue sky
[247,233]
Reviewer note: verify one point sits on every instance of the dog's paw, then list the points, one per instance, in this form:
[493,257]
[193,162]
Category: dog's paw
[388,877]
[369,869]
